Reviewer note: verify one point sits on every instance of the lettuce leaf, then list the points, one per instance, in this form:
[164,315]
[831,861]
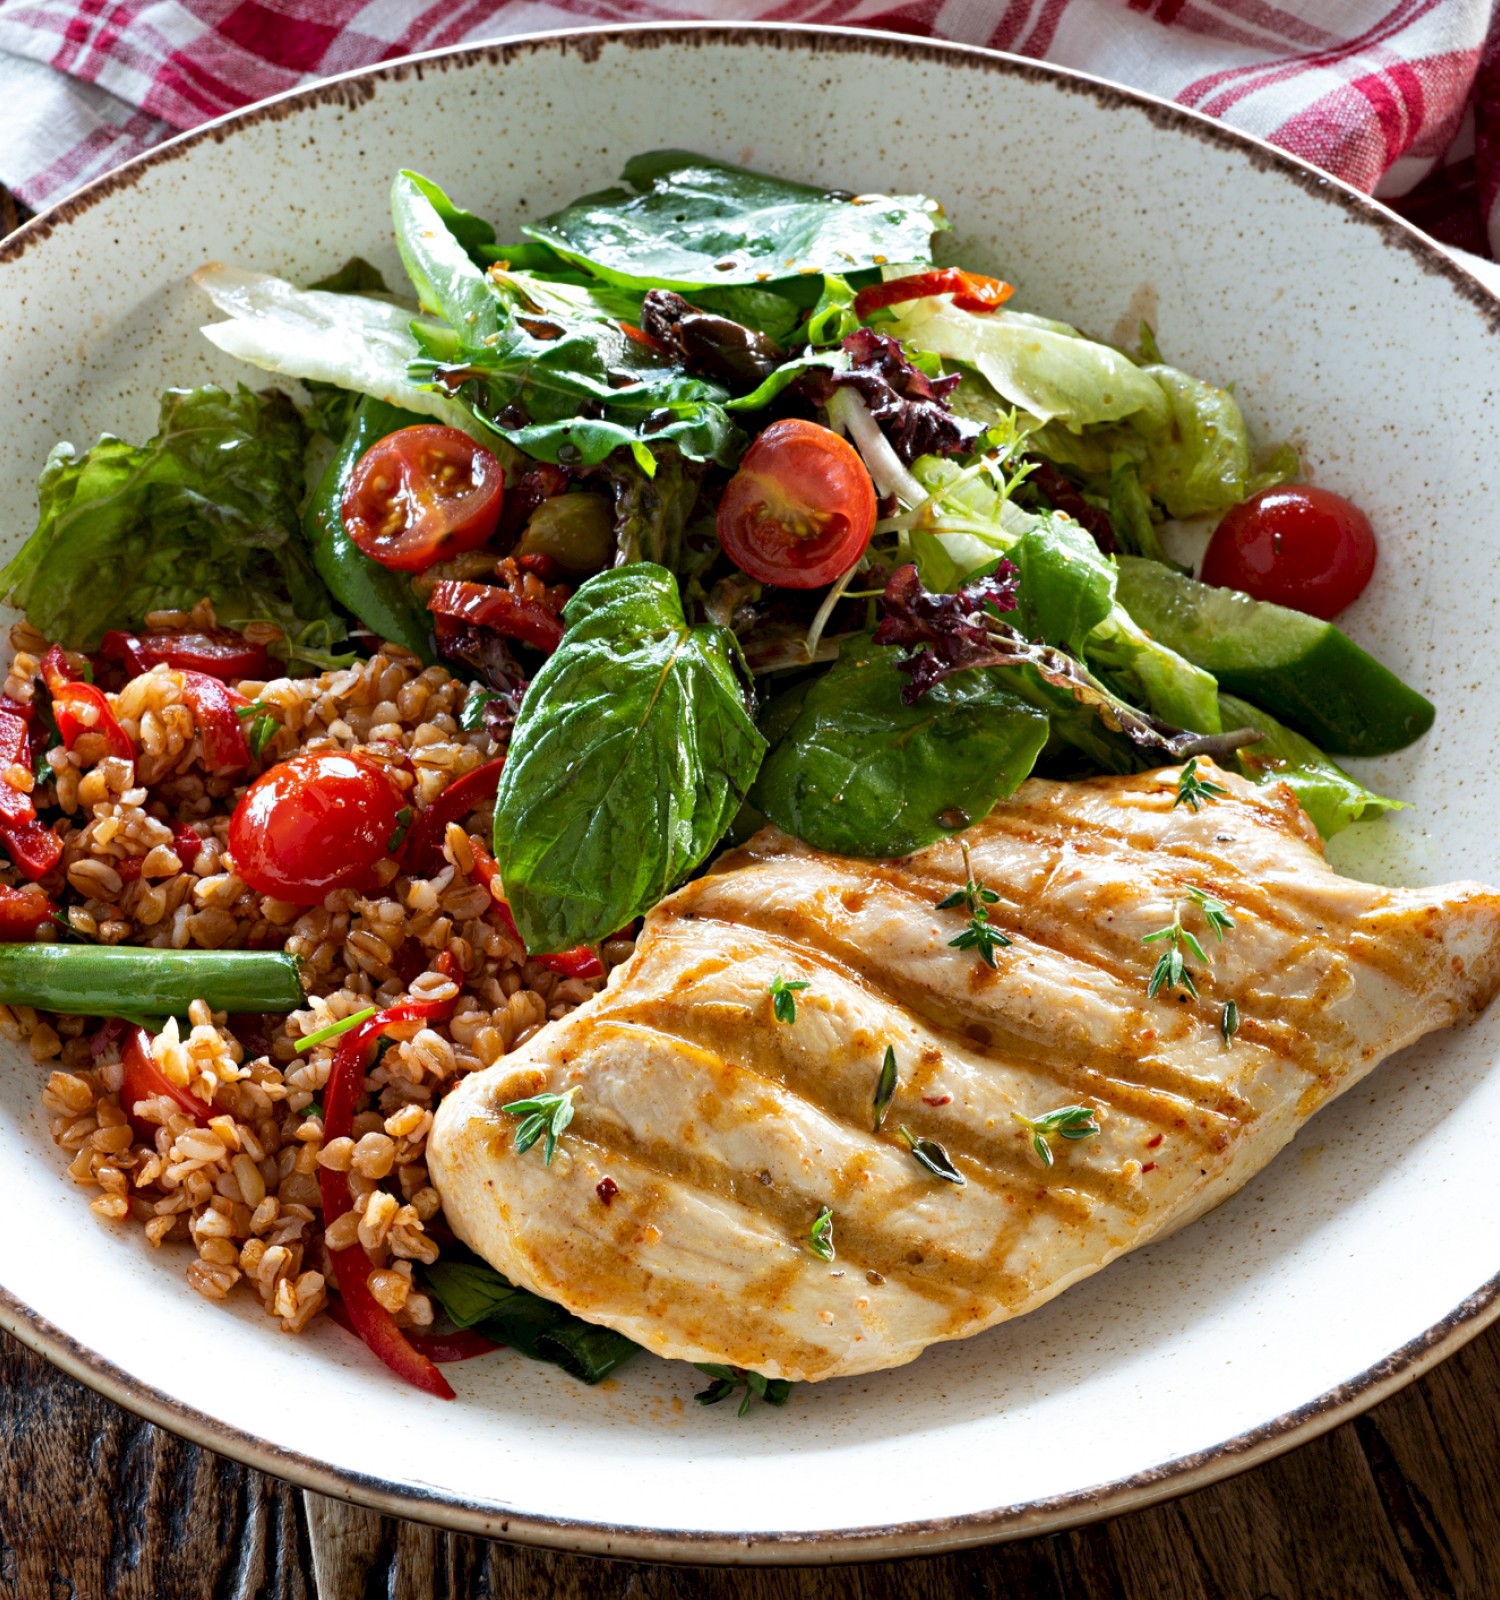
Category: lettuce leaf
[688,222]
[1330,797]
[208,507]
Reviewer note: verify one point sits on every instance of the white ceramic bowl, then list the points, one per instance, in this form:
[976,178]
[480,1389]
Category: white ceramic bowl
[1364,1254]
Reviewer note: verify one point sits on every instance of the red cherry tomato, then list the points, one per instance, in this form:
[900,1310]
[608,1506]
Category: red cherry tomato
[421,494]
[1296,546]
[320,821]
[800,510]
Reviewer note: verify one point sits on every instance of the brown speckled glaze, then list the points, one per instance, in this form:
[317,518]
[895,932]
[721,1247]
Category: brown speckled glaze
[1348,331]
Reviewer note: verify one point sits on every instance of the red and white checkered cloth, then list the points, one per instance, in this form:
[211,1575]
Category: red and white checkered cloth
[1399,97]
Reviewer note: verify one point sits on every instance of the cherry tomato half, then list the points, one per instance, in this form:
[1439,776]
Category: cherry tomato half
[421,494]
[1295,545]
[317,822]
[800,510]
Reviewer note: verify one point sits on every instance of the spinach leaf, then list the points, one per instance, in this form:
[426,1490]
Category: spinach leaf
[474,1295]
[1066,588]
[208,507]
[630,757]
[860,772]
[1327,793]
[692,222]
[356,276]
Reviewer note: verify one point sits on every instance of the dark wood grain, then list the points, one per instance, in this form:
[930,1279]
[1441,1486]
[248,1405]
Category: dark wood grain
[1403,1503]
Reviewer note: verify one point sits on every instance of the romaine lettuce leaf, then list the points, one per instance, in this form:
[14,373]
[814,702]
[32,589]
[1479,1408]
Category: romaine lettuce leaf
[208,507]
[688,222]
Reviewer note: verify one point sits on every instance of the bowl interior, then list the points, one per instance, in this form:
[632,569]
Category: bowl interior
[1339,333]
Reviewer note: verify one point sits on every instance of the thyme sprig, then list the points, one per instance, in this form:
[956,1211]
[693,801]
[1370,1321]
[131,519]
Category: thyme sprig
[1068,1122]
[783,992]
[773,1391]
[1171,971]
[820,1240]
[1215,913]
[976,899]
[1193,791]
[543,1114]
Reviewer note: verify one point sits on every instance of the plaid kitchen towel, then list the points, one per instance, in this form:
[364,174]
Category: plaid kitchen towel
[1398,97]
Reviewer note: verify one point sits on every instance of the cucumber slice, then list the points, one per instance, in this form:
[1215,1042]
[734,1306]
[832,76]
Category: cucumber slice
[1299,668]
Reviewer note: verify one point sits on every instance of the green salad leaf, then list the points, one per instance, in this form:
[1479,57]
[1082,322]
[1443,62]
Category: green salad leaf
[630,757]
[856,770]
[689,222]
[208,507]
[1328,794]
[474,1295]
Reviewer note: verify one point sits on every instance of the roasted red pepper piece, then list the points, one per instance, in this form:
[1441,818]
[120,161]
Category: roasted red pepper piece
[351,1266]
[186,843]
[579,962]
[484,605]
[22,913]
[33,848]
[971,291]
[424,844]
[220,652]
[144,1080]
[215,709]
[79,708]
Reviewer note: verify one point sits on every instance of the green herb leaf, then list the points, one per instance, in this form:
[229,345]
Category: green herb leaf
[1193,791]
[208,507]
[632,753]
[260,733]
[693,222]
[471,716]
[820,1240]
[1229,1021]
[931,1155]
[784,997]
[859,772]
[400,831]
[543,1114]
[1214,913]
[885,1086]
[334,1029]
[771,1391]
[1070,1122]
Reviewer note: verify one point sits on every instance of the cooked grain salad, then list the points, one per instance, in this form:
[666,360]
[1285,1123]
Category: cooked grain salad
[146,861]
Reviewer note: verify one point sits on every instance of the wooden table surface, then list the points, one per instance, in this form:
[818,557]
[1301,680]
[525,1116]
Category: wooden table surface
[96,1504]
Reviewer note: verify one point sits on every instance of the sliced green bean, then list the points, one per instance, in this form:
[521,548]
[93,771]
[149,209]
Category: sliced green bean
[126,981]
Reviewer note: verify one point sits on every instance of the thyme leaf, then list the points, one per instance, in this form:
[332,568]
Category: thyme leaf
[1229,1021]
[885,1086]
[931,1155]
[1214,912]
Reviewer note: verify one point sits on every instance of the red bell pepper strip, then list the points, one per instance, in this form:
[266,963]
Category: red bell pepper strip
[23,912]
[220,652]
[144,1080]
[80,708]
[463,1344]
[971,291]
[34,849]
[485,605]
[351,1266]
[579,962]
[424,844]
[215,711]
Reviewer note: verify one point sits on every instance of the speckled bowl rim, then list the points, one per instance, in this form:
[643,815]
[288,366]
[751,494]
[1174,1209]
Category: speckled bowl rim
[929,1536]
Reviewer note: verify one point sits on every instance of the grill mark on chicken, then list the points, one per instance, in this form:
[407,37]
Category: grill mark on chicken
[725,1131]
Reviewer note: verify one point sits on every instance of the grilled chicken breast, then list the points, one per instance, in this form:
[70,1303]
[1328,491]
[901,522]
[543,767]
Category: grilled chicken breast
[708,1136]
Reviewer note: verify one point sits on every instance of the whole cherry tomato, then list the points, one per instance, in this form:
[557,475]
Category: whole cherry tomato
[800,510]
[319,821]
[422,494]
[1296,546]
